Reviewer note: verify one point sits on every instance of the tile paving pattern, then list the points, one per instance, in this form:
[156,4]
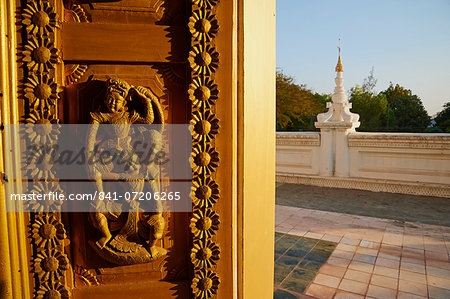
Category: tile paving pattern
[374,257]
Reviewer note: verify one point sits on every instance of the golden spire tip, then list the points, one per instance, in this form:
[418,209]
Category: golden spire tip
[339,66]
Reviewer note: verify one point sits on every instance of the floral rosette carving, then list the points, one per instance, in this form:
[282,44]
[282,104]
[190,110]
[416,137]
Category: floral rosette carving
[40,206]
[40,55]
[40,58]
[78,14]
[203,92]
[205,284]
[42,127]
[86,276]
[50,264]
[205,159]
[73,72]
[52,290]
[39,18]
[205,194]
[204,223]
[41,90]
[203,59]
[47,231]
[204,128]
[205,3]
[203,25]
[40,166]
[204,254]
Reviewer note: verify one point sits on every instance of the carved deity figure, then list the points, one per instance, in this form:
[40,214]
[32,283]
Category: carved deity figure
[125,238]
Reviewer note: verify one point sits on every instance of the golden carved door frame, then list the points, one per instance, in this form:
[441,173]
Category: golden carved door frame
[245,104]
[43,79]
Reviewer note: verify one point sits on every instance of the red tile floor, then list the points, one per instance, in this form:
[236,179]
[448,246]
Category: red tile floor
[375,257]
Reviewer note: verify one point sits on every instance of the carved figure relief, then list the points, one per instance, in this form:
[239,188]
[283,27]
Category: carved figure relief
[133,240]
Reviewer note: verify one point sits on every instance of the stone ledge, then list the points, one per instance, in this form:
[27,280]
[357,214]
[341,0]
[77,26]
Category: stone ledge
[298,138]
[390,186]
[399,140]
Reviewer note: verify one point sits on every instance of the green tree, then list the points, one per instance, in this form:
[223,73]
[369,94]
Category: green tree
[370,106]
[409,112]
[442,118]
[296,105]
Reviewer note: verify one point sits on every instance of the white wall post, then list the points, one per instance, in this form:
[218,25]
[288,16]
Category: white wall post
[335,125]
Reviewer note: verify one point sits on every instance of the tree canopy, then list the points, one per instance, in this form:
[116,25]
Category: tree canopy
[369,105]
[409,112]
[296,105]
[442,118]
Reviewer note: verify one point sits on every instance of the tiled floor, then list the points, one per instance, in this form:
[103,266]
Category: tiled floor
[297,260]
[374,258]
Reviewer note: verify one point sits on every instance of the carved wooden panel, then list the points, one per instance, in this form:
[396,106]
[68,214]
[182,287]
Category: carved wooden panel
[167,47]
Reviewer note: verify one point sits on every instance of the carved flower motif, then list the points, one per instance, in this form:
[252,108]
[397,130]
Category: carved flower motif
[41,90]
[203,25]
[85,276]
[42,127]
[44,205]
[205,161]
[204,59]
[39,17]
[47,231]
[204,128]
[52,290]
[74,72]
[204,254]
[205,284]
[203,91]
[40,166]
[205,194]
[78,14]
[204,223]
[205,3]
[50,264]
[40,55]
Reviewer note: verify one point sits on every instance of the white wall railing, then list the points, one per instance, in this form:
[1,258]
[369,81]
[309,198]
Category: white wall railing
[389,162]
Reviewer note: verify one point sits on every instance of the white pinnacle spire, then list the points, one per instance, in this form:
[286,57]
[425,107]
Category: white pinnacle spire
[338,114]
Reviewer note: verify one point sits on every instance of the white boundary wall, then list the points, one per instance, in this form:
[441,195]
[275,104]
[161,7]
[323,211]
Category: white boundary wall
[388,162]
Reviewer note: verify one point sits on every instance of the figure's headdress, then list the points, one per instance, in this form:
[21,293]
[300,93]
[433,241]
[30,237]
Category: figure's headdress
[117,85]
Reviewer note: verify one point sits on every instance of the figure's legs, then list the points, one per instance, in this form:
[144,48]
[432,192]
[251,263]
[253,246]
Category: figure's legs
[100,222]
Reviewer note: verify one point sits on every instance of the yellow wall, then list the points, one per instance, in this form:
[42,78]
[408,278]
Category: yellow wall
[256,147]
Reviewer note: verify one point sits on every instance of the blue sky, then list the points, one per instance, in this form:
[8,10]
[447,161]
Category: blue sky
[407,42]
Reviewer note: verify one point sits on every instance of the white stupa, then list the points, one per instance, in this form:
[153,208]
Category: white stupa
[338,115]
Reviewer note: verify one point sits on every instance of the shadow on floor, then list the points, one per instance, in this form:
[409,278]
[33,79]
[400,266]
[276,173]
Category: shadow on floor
[400,207]
[297,260]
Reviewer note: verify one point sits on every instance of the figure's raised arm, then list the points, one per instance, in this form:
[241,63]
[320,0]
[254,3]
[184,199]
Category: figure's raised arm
[90,143]
[152,108]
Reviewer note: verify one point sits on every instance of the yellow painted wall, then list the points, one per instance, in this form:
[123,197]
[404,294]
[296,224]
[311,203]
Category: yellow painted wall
[256,147]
